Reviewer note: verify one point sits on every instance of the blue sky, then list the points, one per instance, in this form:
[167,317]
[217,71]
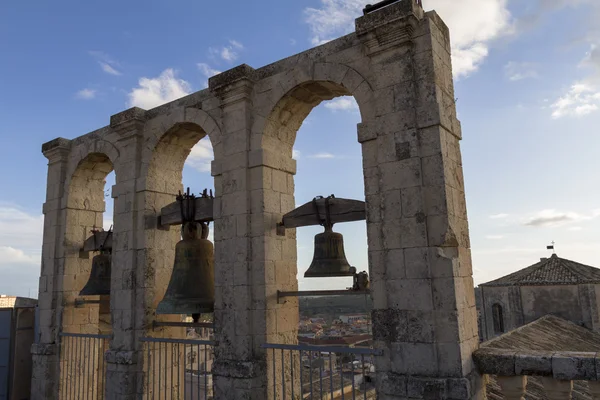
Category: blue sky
[527,79]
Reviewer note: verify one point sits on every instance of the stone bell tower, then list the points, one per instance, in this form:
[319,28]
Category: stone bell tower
[397,66]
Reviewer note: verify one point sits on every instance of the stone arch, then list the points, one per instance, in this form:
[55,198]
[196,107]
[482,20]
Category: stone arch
[85,207]
[304,88]
[170,142]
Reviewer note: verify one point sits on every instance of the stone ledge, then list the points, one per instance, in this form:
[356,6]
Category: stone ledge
[270,159]
[238,369]
[388,14]
[562,365]
[231,76]
[55,144]
[127,119]
[43,349]
[120,357]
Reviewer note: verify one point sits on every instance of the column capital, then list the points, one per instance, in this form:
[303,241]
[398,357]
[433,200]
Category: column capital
[129,122]
[233,85]
[388,26]
[57,150]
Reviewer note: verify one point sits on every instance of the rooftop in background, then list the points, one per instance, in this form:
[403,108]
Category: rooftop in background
[16,301]
[548,333]
[550,271]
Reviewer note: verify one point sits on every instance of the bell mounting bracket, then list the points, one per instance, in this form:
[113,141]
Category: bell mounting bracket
[324,211]
[100,240]
[186,208]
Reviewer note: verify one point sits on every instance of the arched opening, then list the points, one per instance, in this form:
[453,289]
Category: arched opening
[328,161]
[498,318]
[85,314]
[180,160]
[184,151]
[86,205]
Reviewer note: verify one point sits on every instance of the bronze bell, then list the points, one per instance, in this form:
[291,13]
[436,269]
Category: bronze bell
[191,289]
[329,258]
[99,282]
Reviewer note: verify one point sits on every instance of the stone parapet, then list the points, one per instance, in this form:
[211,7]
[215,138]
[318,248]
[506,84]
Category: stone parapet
[562,365]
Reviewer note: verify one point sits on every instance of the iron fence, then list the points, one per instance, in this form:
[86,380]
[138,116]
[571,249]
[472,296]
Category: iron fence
[178,369]
[82,366]
[322,372]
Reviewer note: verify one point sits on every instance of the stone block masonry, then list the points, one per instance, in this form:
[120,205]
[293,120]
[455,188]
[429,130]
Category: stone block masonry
[397,67]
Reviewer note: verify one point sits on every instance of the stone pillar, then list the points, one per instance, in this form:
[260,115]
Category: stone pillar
[424,316]
[513,387]
[248,253]
[123,359]
[46,352]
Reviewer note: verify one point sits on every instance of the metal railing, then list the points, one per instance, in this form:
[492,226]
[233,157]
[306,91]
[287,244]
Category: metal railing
[322,372]
[177,369]
[82,366]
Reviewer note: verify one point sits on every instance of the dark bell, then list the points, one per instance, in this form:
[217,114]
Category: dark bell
[191,289]
[329,258]
[99,282]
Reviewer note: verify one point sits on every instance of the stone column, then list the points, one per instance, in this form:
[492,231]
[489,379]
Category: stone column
[424,315]
[123,359]
[46,352]
[247,250]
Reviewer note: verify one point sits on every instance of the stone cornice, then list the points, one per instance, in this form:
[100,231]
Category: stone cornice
[57,150]
[389,27]
[128,122]
[562,365]
[233,85]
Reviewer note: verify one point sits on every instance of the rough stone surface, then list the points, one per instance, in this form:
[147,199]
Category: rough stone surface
[424,317]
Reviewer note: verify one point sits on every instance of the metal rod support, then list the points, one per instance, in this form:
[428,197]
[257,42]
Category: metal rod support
[79,302]
[308,293]
[156,324]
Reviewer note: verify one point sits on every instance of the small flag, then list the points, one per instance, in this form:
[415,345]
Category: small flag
[550,247]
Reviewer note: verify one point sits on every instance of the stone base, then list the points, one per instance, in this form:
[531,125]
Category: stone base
[45,374]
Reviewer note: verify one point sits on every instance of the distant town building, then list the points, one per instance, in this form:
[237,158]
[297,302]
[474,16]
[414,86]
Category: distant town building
[351,318]
[554,285]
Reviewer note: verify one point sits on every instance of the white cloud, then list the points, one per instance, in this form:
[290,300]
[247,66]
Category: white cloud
[109,69]
[473,24]
[86,94]
[207,71]
[107,63]
[345,103]
[153,92]
[10,255]
[201,156]
[516,71]
[20,250]
[575,228]
[499,216]
[552,218]
[322,155]
[296,154]
[581,99]
[228,53]
[494,237]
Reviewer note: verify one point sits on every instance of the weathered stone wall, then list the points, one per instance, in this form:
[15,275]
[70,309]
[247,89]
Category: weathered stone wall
[397,67]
